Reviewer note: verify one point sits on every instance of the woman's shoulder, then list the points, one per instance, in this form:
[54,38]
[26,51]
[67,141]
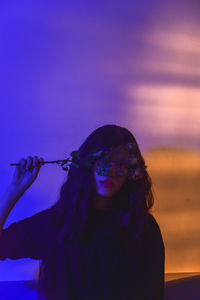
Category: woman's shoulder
[152,231]
[151,219]
[151,224]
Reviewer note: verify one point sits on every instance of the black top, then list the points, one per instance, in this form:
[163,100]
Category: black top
[111,265]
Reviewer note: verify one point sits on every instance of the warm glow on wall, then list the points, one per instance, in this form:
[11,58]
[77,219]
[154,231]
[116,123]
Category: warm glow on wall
[176,176]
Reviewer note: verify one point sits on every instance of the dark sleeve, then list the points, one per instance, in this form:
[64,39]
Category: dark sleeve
[28,238]
[155,261]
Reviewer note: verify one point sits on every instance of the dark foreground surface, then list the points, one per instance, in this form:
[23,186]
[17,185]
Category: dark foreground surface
[178,286]
[184,287]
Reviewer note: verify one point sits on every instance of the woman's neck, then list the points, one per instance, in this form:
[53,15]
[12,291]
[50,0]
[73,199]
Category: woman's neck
[101,202]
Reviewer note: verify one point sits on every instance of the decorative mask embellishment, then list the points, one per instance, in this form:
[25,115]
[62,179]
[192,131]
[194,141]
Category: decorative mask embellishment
[104,167]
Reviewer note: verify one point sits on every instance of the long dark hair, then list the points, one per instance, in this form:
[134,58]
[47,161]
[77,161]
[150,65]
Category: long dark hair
[133,201]
[74,207]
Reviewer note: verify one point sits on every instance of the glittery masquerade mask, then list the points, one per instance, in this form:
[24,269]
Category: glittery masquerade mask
[103,163]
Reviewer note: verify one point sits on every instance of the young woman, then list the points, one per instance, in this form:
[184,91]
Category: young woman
[99,240]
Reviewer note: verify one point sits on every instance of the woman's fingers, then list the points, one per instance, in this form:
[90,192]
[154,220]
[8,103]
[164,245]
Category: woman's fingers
[41,159]
[36,166]
[26,173]
[36,161]
[22,163]
[29,164]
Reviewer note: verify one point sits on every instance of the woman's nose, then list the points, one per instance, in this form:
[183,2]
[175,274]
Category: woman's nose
[112,170]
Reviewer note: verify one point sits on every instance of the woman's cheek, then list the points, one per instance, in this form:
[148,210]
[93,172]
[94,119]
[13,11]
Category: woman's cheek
[119,182]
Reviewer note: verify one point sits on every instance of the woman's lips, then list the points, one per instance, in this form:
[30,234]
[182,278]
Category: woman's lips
[107,183]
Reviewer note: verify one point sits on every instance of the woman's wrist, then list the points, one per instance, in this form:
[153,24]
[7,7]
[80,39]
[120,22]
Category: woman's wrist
[12,194]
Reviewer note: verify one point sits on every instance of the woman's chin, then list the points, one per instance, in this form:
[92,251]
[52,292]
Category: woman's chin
[108,193]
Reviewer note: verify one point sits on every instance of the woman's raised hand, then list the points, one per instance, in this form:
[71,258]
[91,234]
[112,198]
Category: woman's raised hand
[25,174]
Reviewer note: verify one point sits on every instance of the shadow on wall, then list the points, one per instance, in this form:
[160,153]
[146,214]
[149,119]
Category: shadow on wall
[175,173]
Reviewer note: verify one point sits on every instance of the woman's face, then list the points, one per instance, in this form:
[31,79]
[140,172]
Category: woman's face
[108,185]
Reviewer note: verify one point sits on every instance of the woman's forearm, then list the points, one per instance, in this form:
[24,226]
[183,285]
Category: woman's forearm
[7,202]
